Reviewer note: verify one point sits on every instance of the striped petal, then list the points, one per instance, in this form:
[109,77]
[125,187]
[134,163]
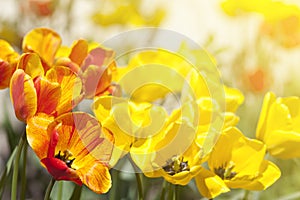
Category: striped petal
[23,95]
[37,135]
[81,134]
[96,176]
[71,87]
[6,72]
[48,95]
[43,41]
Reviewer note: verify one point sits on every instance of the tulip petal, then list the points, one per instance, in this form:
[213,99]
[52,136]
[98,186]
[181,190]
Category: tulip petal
[100,57]
[48,95]
[31,64]
[96,80]
[8,60]
[43,41]
[284,144]
[79,51]
[37,135]
[96,176]
[23,95]
[234,98]
[60,171]
[262,123]
[6,51]
[6,72]
[269,174]
[71,87]
[81,134]
[209,184]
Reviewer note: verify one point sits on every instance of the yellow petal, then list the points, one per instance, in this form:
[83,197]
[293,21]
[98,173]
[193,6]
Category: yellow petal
[23,95]
[284,144]
[268,174]
[7,53]
[37,135]
[209,184]
[262,123]
[43,41]
[237,150]
[31,64]
[150,71]
[103,105]
[95,176]
[234,98]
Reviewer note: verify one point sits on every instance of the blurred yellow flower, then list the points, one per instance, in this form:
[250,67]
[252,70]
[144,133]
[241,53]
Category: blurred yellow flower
[285,31]
[279,126]
[236,162]
[120,12]
[281,20]
[152,74]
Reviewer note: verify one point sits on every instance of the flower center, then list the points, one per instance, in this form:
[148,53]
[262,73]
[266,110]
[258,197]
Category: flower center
[224,172]
[65,157]
[176,165]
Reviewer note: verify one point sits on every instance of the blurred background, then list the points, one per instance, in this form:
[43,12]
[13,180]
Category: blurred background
[256,44]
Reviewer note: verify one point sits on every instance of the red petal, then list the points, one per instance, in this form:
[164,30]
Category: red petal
[48,94]
[6,72]
[60,171]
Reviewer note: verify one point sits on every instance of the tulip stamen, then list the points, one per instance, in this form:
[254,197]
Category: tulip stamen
[224,172]
[65,157]
[176,165]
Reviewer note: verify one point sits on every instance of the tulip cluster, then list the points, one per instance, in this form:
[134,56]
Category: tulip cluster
[171,119]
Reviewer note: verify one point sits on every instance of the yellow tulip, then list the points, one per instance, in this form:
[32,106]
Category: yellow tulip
[278,126]
[236,162]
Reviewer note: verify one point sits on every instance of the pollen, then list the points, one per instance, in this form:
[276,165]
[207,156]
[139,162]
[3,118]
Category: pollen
[226,172]
[176,165]
[66,157]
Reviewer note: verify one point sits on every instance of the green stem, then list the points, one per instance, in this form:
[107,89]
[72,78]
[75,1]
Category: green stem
[163,192]
[76,192]
[16,167]
[170,192]
[113,193]
[49,189]
[246,195]
[176,192]
[6,171]
[23,173]
[138,180]
[140,185]
[60,190]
